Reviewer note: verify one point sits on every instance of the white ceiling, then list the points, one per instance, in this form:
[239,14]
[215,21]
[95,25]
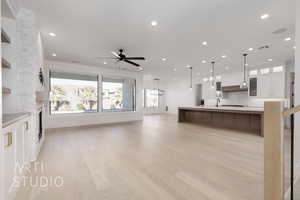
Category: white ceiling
[88,29]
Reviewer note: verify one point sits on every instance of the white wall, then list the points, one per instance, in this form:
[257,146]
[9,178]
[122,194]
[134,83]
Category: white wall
[178,93]
[297,84]
[68,120]
[290,67]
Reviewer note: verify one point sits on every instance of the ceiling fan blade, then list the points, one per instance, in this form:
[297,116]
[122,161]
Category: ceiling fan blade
[106,58]
[135,58]
[135,64]
[115,54]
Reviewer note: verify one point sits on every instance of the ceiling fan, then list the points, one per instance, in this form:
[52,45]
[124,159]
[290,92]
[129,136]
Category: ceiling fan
[122,57]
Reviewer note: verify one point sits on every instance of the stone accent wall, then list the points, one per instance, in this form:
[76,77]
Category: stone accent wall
[27,60]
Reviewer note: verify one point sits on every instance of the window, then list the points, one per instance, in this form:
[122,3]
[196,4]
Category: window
[253,73]
[151,98]
[278,69]
[73,93]
[118,94]
[265,71]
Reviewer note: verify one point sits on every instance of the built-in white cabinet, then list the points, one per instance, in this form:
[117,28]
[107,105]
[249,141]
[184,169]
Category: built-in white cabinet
[8,147]
[16,150]
[278,85]
[271,85]
[264,86]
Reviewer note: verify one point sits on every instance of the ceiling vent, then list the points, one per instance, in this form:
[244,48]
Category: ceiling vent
[264,47]
[279,31]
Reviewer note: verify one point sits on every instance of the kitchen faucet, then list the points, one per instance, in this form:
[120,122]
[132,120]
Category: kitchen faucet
[218,101]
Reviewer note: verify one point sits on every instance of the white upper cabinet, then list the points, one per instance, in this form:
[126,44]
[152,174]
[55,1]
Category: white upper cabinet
[271,85]
[264,83]
[278,85]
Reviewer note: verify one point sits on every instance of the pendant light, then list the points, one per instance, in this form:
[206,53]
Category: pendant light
[244,83]
[212,77]
[191,78]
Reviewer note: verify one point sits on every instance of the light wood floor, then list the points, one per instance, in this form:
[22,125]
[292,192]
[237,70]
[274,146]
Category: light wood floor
[156,159]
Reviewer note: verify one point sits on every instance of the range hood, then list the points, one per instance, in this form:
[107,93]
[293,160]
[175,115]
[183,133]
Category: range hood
[234,88]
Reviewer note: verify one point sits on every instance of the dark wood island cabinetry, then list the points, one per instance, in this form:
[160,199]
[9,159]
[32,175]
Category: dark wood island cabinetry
[246,119]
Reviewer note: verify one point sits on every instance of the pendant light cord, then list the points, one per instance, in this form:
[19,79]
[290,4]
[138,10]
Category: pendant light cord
[213,72]
[245,62]
[191,75]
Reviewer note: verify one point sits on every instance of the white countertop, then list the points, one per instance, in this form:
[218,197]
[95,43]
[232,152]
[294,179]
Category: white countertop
[8,119]
[226,108]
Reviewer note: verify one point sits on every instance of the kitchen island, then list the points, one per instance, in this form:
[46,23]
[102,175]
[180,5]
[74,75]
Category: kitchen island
[249,119]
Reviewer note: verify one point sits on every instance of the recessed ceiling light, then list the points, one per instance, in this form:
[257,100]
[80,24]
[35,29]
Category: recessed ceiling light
[224,56]
[250,49]
[104,63]
[203,61]
[247,64]
[204,43]
[54,54]
[154,23]
[294,47]
[227,68]
[264,16]
[188,66]
[52,34]
[164,59]
[270,59]
[287,39]
[140,68]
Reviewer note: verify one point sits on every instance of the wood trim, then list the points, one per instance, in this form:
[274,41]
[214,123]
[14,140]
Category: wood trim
[233,88]
[273,151]
[4,37]
[291,111]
